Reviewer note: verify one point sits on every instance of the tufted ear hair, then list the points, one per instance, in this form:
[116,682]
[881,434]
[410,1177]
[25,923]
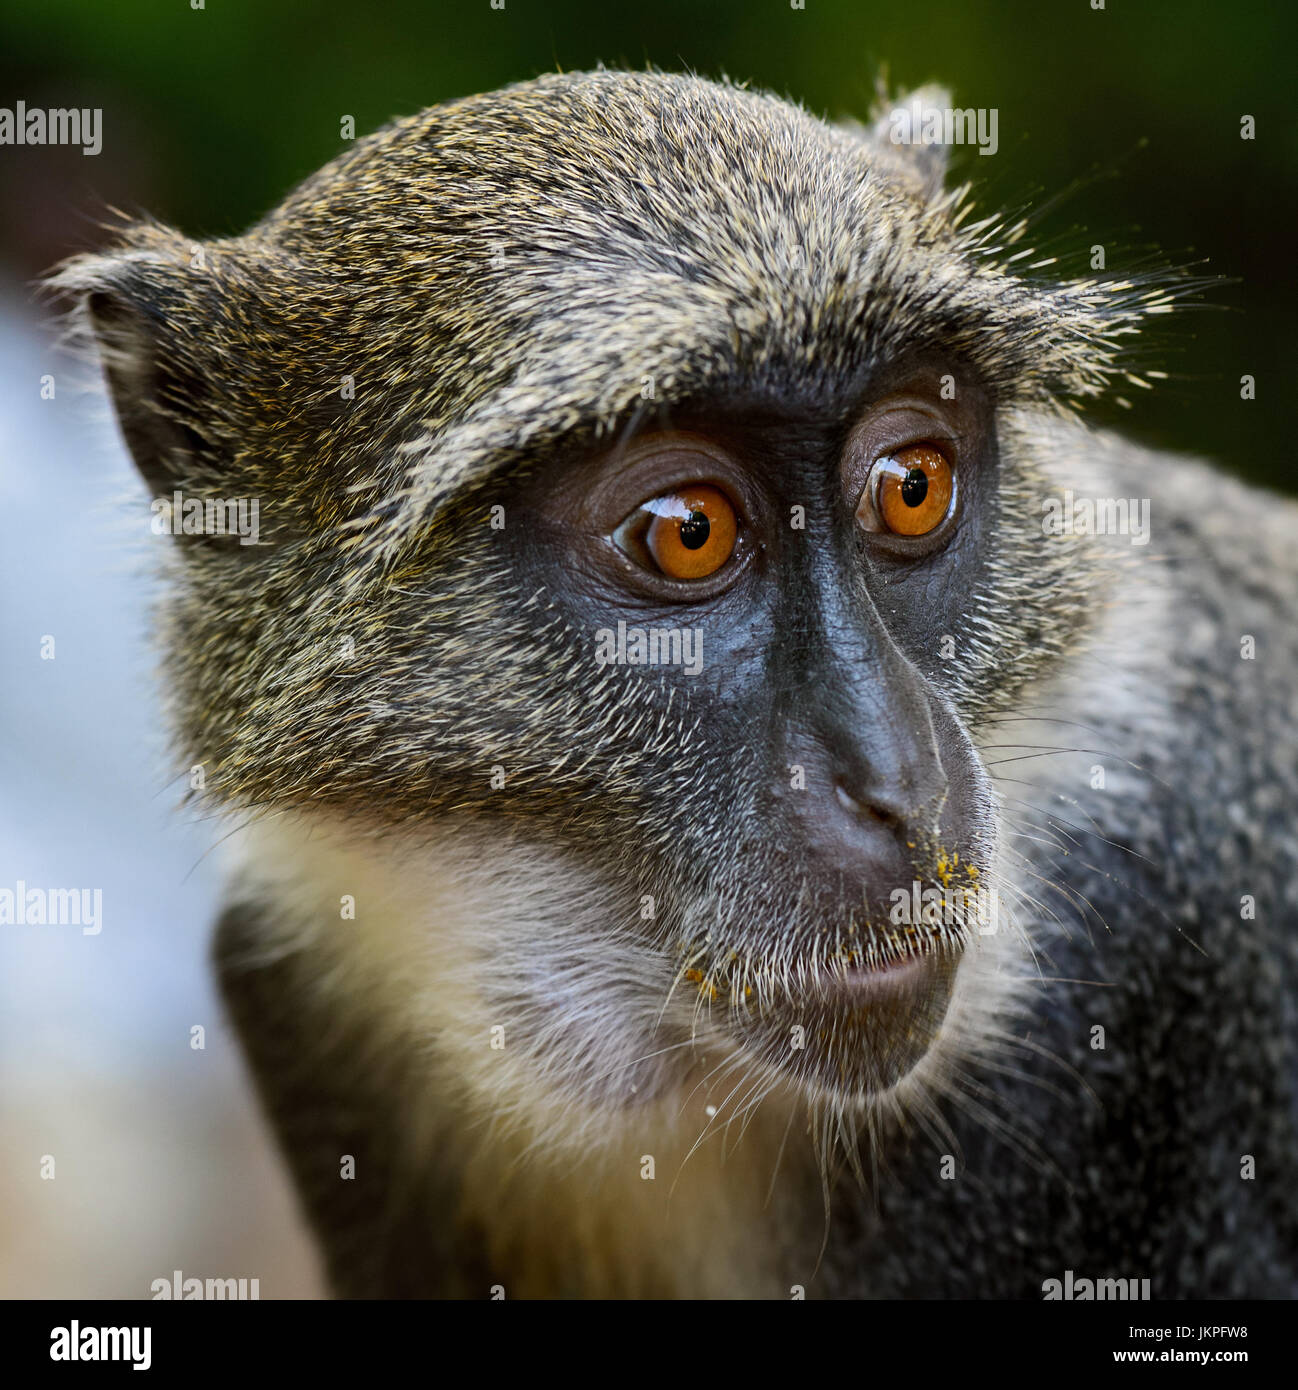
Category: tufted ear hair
[896,135]
[146,310]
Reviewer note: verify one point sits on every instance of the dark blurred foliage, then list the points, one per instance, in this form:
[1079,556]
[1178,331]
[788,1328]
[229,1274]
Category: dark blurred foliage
[1122,123]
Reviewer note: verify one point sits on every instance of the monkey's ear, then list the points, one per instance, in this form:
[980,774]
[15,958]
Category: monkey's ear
[897,134]
[144,311]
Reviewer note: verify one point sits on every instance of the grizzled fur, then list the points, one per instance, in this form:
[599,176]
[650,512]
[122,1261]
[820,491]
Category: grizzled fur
[499,277]
[506,281]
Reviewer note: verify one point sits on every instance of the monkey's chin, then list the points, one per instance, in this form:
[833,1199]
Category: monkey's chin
[850,1035]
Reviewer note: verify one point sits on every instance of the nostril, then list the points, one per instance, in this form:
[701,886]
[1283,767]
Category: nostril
[870,808]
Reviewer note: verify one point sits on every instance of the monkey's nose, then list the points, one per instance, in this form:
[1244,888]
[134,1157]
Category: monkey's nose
[869,827]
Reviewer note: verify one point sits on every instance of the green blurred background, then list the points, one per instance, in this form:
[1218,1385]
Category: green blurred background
[211,115]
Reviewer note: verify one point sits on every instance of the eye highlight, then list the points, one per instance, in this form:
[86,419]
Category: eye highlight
[688,533]
[909,492]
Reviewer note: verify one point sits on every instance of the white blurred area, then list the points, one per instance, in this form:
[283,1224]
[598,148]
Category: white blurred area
[162,1161]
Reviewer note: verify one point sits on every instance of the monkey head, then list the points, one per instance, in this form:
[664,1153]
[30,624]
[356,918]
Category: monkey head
[648,482]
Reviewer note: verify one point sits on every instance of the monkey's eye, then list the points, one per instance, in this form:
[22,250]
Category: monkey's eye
[688,533]
[909,492]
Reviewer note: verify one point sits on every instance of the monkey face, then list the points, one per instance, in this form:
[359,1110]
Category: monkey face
[657,487]
[774,582]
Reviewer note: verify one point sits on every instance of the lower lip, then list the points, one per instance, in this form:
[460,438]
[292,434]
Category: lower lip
[865,1028]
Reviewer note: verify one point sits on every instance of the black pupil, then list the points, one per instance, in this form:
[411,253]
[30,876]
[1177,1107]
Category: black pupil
[914,487]
[694,531]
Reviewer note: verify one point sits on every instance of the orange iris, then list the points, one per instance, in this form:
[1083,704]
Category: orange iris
[913,489]
[693,531]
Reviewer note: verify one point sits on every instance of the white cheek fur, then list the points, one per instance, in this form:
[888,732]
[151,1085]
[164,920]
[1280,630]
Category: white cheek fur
[495,957]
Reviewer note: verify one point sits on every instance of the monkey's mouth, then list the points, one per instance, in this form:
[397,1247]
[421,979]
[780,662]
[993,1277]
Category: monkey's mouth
[850,1031]
[842,990]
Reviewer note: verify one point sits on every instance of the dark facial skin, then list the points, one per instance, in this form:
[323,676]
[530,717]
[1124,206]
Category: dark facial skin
[822,653]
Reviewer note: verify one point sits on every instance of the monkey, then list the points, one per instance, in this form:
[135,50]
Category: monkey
[688,591]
